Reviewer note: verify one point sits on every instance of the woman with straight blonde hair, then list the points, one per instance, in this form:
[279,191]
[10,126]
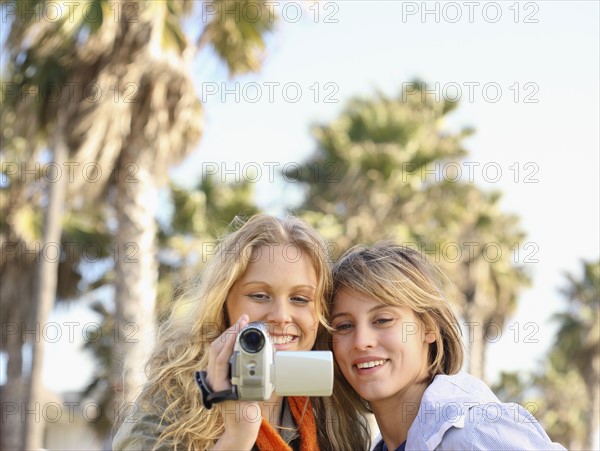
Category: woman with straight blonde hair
[270,270]
[398,353]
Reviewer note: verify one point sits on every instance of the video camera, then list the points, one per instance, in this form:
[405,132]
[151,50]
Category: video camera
[257,369]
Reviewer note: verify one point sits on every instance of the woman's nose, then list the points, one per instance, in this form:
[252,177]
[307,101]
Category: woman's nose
[364,338]
[280,312]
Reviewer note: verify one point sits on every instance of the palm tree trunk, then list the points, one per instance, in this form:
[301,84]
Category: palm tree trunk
[16,294]
[12,430]
[592,382]
[12,433]
[476,343]
[136,270]
[46,283]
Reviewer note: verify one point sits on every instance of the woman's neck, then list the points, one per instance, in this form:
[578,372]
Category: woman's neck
[395,415]
[272,409]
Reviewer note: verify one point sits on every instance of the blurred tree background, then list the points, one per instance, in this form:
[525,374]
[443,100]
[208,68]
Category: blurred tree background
[572,365]
[385,168]
[139,53]
[397,155]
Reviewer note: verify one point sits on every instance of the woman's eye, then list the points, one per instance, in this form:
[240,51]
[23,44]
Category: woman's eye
[344,327]
[300,300]
[382,321]
[259,296]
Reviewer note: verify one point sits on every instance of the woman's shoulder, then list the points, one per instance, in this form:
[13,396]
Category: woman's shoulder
[139,429]
[461,410]
[457,388]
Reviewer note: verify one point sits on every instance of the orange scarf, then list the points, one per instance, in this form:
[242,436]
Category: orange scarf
[269,440]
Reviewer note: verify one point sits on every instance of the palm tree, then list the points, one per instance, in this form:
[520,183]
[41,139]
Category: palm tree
[20,231]
[200,216]
[475,238]
[566,418]
[185,240]
[14,314]
[379,171]
[571,362]
[543,394]
[132,60]
[366,178]
[578,338]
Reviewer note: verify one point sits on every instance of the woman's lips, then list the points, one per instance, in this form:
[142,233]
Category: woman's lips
[369,363]
[283,339]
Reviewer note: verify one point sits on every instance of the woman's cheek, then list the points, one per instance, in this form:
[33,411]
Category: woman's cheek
[337,347]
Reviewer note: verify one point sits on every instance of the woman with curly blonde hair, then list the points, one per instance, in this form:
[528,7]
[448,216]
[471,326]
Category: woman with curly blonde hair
[270,270]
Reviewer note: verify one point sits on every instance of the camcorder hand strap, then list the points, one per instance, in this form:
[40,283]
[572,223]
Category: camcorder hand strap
[210,397]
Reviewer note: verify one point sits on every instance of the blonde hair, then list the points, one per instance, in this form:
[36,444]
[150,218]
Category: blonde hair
[397,276]
[183,341]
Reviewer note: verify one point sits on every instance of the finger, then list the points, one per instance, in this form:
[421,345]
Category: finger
[220,353]
[227,339]
[242,322]
[229,336]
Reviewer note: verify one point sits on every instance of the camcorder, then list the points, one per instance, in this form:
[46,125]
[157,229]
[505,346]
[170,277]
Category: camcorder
[257,370]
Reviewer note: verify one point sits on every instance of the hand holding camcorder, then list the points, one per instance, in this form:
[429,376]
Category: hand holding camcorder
[257,370]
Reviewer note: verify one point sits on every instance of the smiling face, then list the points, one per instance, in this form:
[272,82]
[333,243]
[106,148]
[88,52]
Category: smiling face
[381,349]
[279,288]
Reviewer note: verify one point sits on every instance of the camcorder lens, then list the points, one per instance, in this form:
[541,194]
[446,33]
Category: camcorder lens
[252,340]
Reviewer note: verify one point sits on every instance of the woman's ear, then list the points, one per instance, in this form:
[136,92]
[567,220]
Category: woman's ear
[430,336]
[430,330]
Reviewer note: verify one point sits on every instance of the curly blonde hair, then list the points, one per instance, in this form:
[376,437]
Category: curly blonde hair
[183,341]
